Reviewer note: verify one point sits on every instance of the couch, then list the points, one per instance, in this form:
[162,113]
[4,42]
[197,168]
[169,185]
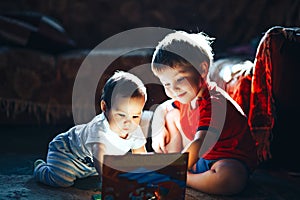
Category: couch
[267,90]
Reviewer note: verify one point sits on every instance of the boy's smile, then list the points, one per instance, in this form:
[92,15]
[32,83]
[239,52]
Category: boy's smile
[180,83]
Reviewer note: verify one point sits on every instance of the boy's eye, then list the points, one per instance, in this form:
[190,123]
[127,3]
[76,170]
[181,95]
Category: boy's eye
[121,115]
[180,79]
[135,116]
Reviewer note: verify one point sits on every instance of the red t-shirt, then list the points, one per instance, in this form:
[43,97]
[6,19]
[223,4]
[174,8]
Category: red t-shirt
[218,113]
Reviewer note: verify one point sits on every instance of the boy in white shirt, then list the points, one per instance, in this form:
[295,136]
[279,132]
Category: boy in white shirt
[78,153]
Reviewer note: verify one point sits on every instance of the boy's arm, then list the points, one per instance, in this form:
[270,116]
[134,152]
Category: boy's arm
[199,146]
[193,148]
[159,132]
[160,112]
[98,150]
[142,149]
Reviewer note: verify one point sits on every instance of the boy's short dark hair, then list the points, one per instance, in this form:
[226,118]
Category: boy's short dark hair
[182,48]
[123,84]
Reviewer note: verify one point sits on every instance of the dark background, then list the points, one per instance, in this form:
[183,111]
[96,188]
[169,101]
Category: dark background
[234,24]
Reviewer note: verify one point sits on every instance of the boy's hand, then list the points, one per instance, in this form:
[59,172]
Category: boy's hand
[160,135]
[193,148]
[160,141]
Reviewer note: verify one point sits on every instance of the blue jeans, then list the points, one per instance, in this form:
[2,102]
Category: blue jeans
[202,165]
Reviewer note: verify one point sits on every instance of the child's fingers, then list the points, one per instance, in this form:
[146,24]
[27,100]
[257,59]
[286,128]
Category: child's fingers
[163,148]
[156,148]
[156,145]
[165,140]
[167,137]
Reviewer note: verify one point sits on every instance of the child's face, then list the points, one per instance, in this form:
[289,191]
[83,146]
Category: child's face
[180,83]
[125,114]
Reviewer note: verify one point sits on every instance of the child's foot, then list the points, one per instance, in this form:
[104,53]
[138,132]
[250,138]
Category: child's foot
[38,162]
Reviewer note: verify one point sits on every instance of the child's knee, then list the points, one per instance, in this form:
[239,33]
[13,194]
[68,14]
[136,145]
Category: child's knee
[60,181]
[233,176]
[54,178]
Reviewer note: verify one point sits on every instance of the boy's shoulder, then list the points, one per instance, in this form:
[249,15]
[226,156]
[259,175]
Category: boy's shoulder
[229,100]
[215,90]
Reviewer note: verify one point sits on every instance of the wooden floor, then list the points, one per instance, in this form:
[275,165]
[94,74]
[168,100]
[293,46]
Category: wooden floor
[16,183]
[266,183]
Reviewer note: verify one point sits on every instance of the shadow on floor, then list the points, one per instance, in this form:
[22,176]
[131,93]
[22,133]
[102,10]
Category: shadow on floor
[21,146]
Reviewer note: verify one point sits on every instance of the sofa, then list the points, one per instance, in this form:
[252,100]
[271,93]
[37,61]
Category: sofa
[39,63]
[36,88]
[267,90]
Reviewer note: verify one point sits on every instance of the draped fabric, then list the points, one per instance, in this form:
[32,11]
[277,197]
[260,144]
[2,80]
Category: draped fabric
[274,88]
[261,100]
[268,90]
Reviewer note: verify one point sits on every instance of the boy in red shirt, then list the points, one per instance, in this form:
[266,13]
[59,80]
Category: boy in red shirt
[200,118]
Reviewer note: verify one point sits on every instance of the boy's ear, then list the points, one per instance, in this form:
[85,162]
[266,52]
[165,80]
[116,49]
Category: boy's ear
[204,69]
[103,106]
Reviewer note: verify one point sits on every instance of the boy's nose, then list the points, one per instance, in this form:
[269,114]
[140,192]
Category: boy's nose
[174,87]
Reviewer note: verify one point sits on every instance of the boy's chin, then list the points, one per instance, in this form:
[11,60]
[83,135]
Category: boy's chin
[183,101]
